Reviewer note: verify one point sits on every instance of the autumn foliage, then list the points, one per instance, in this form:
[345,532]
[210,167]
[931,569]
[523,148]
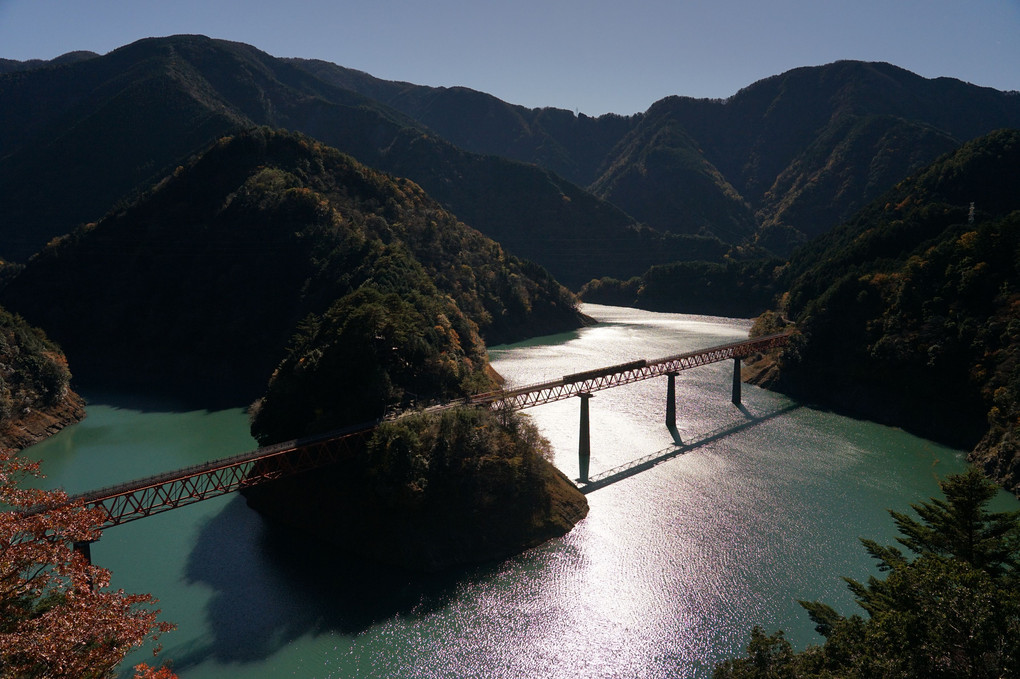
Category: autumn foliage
[58,617]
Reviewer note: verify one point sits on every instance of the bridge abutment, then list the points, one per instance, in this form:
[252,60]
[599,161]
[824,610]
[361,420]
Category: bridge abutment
[584,439]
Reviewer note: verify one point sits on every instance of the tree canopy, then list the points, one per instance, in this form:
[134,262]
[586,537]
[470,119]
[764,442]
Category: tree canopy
[58,617]
[952,611]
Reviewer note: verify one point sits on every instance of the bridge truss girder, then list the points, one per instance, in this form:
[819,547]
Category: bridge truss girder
[146,497]
[157,494]
[558,390]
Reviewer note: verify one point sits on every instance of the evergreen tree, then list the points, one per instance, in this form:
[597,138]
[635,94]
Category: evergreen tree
[953,611]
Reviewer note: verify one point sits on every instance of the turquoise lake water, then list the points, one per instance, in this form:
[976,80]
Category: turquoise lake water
[755,508]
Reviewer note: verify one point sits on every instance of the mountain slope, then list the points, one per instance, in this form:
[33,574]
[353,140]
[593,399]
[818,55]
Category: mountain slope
[572,146]
[10,65]
[77,138]
[660,175]
[808,148]
[200,283]
[780,161]
[804,150]
[910,312]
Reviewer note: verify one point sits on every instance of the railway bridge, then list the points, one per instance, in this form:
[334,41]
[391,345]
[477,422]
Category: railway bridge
[144,497]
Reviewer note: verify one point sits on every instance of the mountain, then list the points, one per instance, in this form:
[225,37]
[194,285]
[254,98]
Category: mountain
[909,313]
[201,283]
[659,173]
[10,65]
[777,163]
[78,138]
[789,157]
[572,146]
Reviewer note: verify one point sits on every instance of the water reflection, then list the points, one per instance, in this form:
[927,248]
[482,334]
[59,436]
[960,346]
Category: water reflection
[625,471]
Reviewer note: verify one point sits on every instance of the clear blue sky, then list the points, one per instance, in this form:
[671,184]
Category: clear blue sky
[596,56]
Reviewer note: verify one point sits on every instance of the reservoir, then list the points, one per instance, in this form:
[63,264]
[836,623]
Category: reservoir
[739,513]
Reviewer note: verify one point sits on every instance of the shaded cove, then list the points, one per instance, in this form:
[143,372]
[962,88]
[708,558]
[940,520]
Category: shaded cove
[674,564]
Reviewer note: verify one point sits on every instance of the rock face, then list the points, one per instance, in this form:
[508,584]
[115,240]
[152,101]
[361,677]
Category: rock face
[433,493]
[998,453]
[36,400]
[36,424]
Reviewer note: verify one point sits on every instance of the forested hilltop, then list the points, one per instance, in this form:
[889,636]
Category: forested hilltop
[99,131]
[201,283]
[910,312]
[272,259]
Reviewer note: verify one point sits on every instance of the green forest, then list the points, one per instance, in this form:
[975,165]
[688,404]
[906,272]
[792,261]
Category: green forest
[918,298]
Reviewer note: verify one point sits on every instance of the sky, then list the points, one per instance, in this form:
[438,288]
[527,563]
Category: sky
[590,56]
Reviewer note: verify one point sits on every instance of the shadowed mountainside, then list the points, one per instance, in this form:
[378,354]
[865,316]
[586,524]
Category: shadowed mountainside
[778,162]
[76,138]
[201,282]
[782,160]
[910,312]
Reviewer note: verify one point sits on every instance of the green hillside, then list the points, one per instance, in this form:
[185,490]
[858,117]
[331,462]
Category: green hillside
[910,312]
[76,138]
[201,283]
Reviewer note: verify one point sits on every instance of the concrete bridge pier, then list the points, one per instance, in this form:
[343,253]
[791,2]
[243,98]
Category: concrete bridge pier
[736,381]
[584,439]
[84,548]
[671,399]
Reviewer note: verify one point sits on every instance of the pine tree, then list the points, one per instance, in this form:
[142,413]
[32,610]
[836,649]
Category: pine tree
[952,611]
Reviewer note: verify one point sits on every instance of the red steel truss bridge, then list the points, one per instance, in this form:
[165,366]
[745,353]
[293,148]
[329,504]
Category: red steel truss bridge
[156,494]
[625,373]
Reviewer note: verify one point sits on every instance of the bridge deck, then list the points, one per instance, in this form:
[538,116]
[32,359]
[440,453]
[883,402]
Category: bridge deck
[163,492]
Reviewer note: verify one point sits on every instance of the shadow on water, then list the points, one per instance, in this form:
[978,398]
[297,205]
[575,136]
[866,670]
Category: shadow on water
[272,586]
[634,467]
[168,401]
[558,338]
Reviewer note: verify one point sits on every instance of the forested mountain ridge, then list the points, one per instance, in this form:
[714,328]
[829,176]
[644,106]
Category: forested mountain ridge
[796,153]
[910,312]
[201,282]
[779,161]
[10,65]
[572,146]
[97,131]
[101,130]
